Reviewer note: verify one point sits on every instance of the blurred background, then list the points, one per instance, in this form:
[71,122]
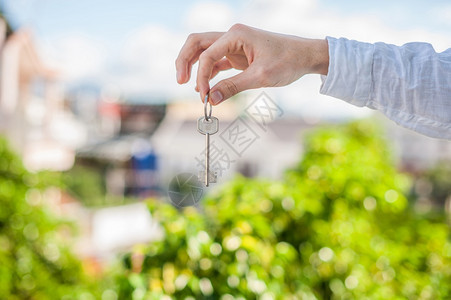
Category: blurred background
[94,125]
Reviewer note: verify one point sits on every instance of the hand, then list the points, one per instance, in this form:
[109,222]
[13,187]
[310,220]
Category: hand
[267,60]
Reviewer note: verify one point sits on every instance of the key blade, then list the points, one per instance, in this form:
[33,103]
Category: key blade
[207,157]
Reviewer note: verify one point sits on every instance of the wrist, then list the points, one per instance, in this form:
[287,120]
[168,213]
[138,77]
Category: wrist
[319,54]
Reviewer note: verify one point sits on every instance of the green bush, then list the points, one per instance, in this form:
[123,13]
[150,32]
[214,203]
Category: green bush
[337,227]
[86,185]
[35,257]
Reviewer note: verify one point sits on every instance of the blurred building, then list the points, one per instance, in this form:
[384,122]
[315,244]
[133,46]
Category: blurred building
[268,152]
[32,113]
[120,148]
[415,152]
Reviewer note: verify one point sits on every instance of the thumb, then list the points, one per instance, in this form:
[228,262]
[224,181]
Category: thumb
[229,87]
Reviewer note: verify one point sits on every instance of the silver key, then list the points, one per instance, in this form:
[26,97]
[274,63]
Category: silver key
[207,125]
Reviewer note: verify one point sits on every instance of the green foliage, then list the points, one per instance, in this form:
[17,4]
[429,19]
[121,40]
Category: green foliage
[35,257]
[85,184]
[338,227]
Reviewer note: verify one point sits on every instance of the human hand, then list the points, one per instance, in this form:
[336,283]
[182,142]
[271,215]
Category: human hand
[267,60]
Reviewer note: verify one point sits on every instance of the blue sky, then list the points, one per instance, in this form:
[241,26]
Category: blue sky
[114,18]
[106,19]
[131,45]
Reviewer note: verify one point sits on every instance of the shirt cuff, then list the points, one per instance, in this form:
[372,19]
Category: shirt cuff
[349,75]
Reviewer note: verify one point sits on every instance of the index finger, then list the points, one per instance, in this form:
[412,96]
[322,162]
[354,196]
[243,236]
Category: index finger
[224,45]
[194,45]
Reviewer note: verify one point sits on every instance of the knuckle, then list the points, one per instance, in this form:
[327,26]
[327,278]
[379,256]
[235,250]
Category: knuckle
[238,27]
[192,37]
[230,87]
[204,57]
[193,40]
[180,61]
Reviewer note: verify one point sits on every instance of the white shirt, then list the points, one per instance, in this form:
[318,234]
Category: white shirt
[410,84]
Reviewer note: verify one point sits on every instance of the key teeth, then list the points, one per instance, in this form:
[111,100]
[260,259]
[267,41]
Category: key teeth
[212,178]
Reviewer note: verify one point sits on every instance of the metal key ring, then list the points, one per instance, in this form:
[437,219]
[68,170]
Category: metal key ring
[207,117]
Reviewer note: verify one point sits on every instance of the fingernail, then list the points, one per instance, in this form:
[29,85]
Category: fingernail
[216,97]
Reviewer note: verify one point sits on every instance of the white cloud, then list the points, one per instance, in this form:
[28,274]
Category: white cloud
[74,55]
[309,19]
[209,16]
[147,63]
[443,14]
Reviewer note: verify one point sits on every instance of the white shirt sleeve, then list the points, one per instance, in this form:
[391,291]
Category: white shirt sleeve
[410,84]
